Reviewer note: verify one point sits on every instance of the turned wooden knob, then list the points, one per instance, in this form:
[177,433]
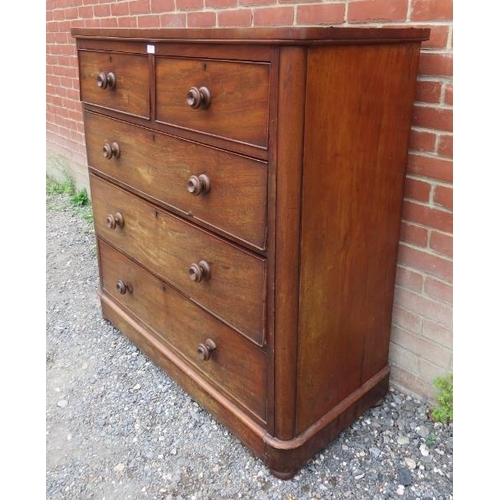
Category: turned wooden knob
[115,220]
[123,287]
[105,80]
[198,184]
[198,97]
[200,271]
[205,350]
[110,150]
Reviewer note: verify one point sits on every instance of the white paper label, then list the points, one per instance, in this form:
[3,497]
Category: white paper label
[150,49]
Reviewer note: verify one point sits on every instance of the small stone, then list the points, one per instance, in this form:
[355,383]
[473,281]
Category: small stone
[173,451]
[423,431]
[375,451]
[360,476]
[62,404]
[402,440]
[404,477]
[424,450]
[136,387]
[119,468]
[410,463]
[400,490]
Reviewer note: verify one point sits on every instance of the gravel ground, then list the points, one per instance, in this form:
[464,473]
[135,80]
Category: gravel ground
[119,428]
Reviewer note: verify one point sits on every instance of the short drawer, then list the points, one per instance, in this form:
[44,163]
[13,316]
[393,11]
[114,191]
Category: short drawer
[116,81]
[223,278]
[227,99]
[222,355]
[225,191]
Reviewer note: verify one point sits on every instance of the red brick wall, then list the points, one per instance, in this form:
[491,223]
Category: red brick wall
[421,347]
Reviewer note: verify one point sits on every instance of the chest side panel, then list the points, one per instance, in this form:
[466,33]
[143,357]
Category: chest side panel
[357,122]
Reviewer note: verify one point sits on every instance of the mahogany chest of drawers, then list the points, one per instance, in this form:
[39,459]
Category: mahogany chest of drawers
[247,187]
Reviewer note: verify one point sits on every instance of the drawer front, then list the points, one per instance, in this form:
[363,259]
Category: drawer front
[238,106]
[226,191]
[222,278]
[236,365]
[129,72]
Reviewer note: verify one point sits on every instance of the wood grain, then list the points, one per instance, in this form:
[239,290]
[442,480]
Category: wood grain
[237,202]
[131,94]
[168,246]
[236,365]
[239,105]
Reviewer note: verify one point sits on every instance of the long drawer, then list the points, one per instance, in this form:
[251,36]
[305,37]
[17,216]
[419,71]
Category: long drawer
[223,190]
[227,99]
[223,278]
[222,355]
[116,81]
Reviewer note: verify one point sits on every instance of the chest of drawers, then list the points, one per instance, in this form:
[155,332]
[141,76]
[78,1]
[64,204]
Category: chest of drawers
[247,187]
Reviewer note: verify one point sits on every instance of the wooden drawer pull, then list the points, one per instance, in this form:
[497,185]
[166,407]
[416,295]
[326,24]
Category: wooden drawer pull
[205,350]
[123,287]
[106,80]
[198,184]
[115,220]
[198,97]
[110,150]
[200,271]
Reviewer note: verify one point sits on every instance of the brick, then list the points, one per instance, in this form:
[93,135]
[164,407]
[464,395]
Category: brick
[431,217]
[401,356]
[247,3]
[405,381]
[421,347]
[417,190]
[127,22]
[221,4]
[415,235]
[431,10]
[120,9]
[432,167]
[139,7]
[109,22]
[438,37]
[448,94]
[71,13]
[190,4]
[443,196]
[409,279]
[88,11]
[92,23]
[429,371]
[436,64]
[439,290]
[238,17]
[441,243]
[162,5]
[377,10]
[279,16]
[150,21]
[407,320]
[445,145]
[433,117]
[424,306]
[201,19]
[102,10]
[173,20]
[423,140]
[437,333]
[426,262]
[321,14]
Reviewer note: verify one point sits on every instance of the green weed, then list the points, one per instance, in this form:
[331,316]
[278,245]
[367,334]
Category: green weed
[443,411]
